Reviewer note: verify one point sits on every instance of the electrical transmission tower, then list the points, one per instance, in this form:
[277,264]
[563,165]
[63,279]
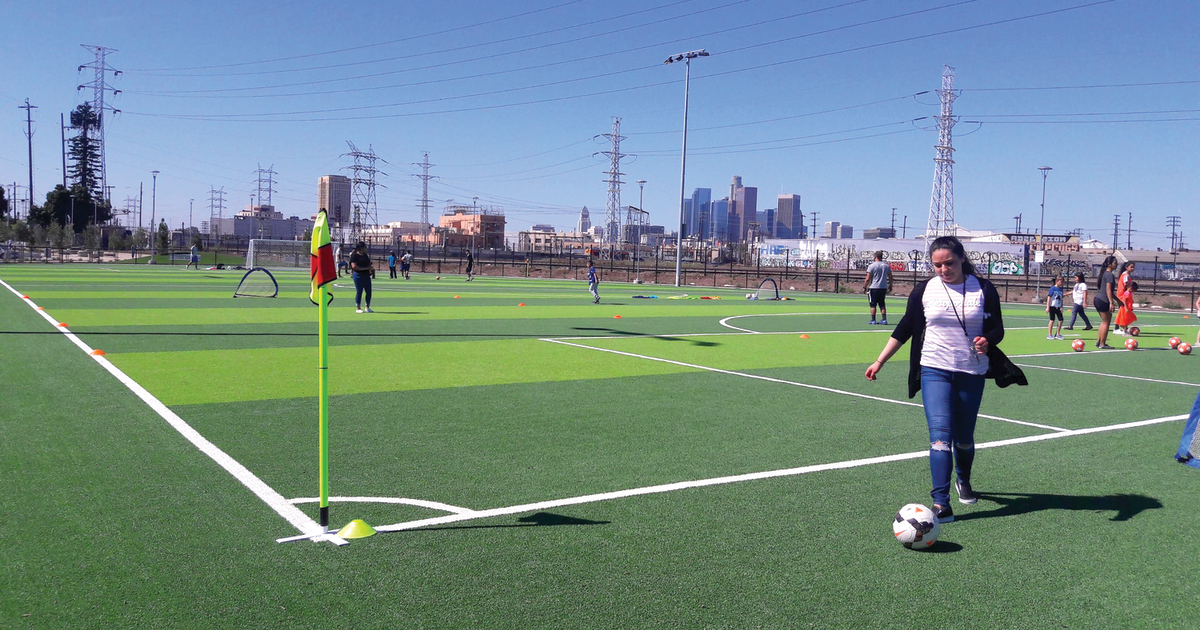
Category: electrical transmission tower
[424,200]
[941,205]
[1116,231]
[216,211]
[264,192]
[612,212]
[99,86]
[1173,222]
[362,179]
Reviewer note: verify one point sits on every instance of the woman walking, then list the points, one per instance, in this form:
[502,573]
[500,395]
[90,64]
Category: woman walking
[1106,296]
[1125,316]
[955,323]
[1079,297]
[361,269]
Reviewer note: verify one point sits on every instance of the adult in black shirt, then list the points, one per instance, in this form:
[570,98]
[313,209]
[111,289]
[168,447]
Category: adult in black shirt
[470,266]
[1106,298]
[361,269]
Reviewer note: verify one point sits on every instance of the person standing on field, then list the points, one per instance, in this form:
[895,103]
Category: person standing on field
[195,260]
[406,263]
[1054,300]
[1079,296]
[593,283]
[877,284]
[1189,446]
[954,322]
[391,264]
[361,270]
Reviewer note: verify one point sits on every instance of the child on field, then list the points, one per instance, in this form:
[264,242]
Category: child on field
[1054,299]
[1079,297]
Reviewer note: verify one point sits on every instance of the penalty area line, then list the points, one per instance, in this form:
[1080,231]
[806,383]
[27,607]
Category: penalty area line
[792,383]
[715,481]
[274,500]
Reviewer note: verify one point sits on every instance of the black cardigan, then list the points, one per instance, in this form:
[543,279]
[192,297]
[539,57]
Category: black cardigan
[912,326]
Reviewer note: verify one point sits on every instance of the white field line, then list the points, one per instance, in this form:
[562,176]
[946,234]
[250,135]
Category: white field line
[793,383]
[1132,378]
[433,505]
[787,472]
[273,499]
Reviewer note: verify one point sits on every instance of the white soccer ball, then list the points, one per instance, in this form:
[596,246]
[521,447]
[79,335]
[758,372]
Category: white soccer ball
[749,295]
[916,526]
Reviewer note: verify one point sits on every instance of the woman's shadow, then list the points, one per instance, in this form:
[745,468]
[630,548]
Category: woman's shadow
[1126,506]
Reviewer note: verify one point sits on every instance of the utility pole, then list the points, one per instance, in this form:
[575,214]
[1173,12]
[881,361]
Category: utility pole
[1129,232]
[1116,231]
[153,200]
[62,123]
[99,86]
[29,134]
[1173,222]
[424,177]
[814,219]
[190,215]
[904,229]
[941,204]
[893,222]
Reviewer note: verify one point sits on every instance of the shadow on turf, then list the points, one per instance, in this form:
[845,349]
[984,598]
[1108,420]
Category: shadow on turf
[1126,506]
[539,519]
[614,331]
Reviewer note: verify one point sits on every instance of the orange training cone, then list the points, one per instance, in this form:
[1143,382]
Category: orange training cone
[616,317]
[62,324]
[804,336]
[98,353]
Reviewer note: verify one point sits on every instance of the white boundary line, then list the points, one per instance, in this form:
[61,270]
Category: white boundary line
[1132,378]
[433,505]
[793,383]
[273,499]
[787,472]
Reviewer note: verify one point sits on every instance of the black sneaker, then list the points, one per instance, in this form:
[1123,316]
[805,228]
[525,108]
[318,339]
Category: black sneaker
[966,495]
[944,513]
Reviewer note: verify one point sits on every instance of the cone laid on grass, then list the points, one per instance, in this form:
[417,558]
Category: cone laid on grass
[357,528]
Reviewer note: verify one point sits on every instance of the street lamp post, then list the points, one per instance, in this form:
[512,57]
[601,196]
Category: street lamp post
[475,228]
[686,58]
[1041,228]
[637,245]
[153,202]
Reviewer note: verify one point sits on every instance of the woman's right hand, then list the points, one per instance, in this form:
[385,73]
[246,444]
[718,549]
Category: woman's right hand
[873,369]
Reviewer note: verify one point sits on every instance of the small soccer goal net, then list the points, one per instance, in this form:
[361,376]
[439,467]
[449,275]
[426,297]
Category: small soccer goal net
[257,282]
[767,290]
[271,253]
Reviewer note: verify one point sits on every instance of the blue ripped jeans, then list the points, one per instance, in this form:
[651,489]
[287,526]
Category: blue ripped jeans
[951,409]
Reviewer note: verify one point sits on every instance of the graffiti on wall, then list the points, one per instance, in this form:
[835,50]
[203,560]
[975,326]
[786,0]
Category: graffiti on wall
[900,254]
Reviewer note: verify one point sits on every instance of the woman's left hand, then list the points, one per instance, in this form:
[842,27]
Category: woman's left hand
[981,345]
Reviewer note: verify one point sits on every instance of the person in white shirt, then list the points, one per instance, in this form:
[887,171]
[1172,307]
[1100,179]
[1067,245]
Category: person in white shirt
[1079,296]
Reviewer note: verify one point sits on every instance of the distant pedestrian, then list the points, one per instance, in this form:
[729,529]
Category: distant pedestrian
[1125,289]
[470,266]
[1054,300]
[877,284]
[195,260]
[362,270]
[1079,297]
[406,263]
[593,283]
[391,264]
[1106,298]
[1189,446]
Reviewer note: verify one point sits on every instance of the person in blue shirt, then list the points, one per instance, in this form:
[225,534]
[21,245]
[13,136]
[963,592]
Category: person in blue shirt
[593,283]
[392,264]
[1054,301]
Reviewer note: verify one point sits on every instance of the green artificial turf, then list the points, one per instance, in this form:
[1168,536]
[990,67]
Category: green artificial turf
[113,519]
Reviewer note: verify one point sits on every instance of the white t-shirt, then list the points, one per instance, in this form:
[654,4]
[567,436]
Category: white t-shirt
[1079,292]
[946,346]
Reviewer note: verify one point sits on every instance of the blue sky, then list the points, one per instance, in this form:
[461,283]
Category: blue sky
[818,99]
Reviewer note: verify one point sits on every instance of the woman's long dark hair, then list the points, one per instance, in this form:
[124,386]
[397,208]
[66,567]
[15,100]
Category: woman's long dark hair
[1108,262]
[956,247]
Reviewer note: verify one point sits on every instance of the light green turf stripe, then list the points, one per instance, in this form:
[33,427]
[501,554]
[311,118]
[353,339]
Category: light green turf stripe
[188,317]
[221,376]
[755,352]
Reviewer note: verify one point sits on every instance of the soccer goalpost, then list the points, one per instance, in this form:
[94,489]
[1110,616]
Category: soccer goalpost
[767,290]
[272,253]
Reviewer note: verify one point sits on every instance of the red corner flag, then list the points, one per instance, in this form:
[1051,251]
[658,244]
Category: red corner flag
[322,270]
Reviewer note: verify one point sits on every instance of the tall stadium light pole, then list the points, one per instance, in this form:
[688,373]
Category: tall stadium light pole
[153,201]
[1042,227]
[637,245]
[474,211]
[686,58]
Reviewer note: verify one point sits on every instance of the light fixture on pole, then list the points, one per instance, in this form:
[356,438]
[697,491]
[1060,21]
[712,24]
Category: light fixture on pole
[687,58]
[1041,228]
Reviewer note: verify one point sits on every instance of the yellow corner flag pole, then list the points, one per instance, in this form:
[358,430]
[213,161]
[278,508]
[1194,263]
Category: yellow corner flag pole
[322,272]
